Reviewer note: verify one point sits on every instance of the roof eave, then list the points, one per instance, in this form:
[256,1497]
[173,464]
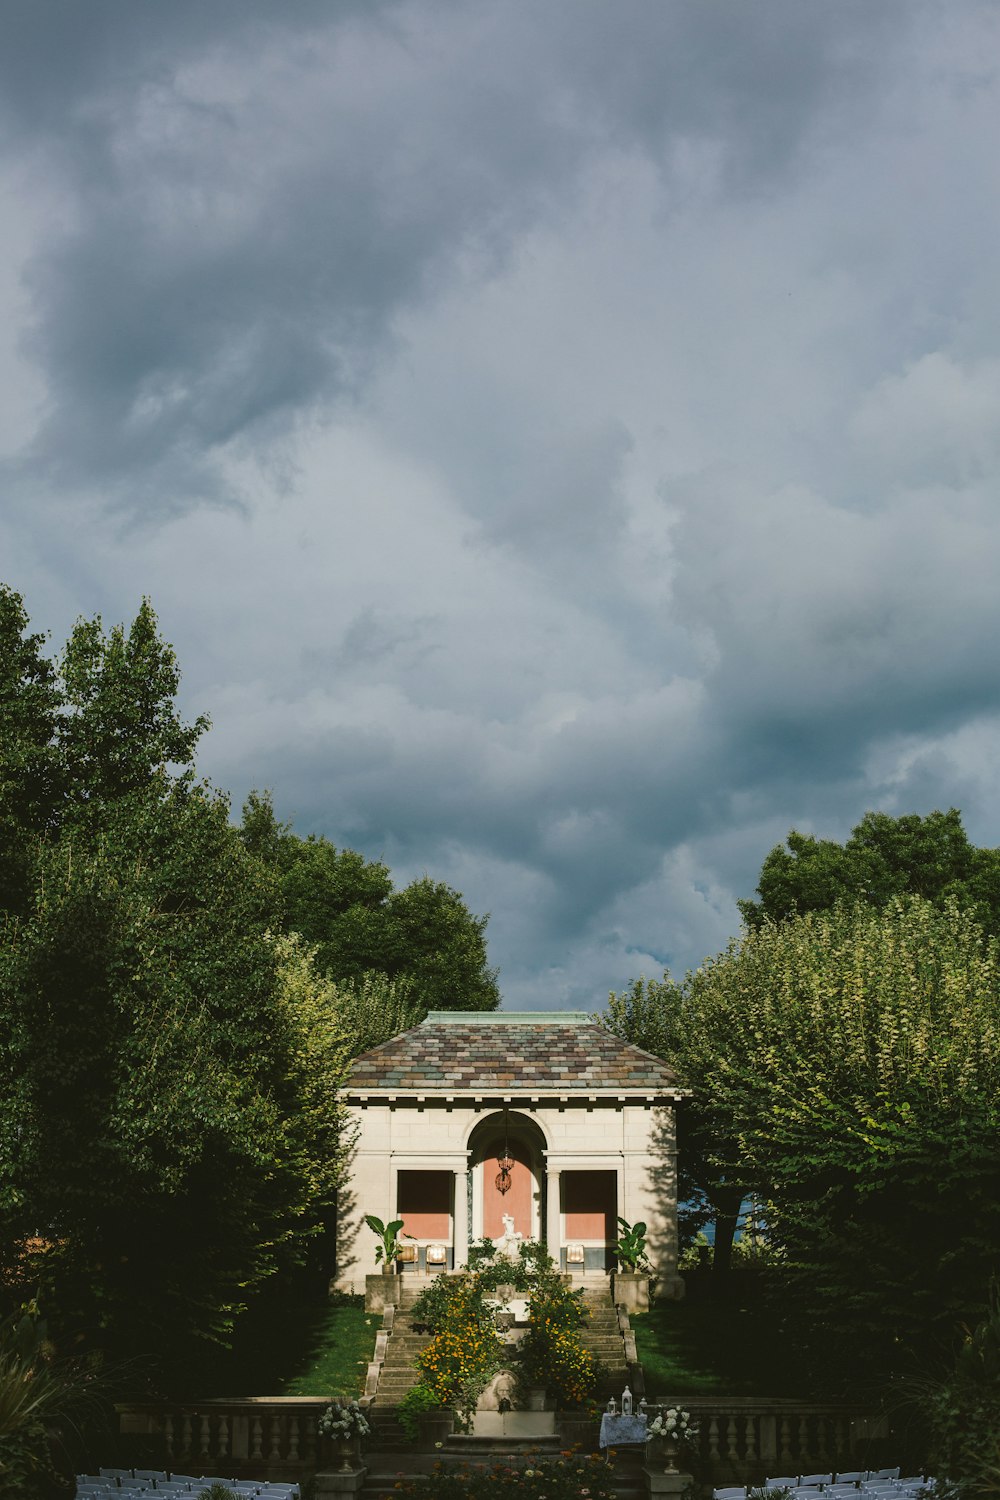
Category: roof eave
[671,1095]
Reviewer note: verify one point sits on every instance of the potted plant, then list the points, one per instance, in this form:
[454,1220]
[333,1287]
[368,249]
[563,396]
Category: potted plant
[382,1291]
[389,1236]
[673,1428]
[631,1280]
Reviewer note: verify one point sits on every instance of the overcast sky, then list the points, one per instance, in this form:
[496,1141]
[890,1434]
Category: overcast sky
[561,440]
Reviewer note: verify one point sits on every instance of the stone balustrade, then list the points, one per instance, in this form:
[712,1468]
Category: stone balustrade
[744,1438]
[268,1436]
[740,1439]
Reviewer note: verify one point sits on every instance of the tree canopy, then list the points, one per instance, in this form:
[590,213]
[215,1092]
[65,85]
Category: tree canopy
[883,858]
[846,1065]
[170,1132]
[359,925]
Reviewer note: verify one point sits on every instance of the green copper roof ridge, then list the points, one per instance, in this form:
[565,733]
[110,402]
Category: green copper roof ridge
[508,1018]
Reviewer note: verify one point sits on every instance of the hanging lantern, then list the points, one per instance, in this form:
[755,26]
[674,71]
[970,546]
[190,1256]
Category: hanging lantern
[505,1162]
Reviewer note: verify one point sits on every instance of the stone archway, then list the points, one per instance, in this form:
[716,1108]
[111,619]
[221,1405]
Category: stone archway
[519,1193]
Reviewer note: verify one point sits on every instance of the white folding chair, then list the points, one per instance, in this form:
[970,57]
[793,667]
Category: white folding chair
[737,1493]
[885,1473]
[851,1476]
[783,1482]
[814,1481]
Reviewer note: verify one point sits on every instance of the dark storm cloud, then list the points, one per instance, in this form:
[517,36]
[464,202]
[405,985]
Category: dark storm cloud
[609,391]
[253,193]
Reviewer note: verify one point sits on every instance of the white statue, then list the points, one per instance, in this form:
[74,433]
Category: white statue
[508,1242]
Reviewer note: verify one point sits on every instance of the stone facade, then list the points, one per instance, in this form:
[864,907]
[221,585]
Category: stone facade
[583,1122]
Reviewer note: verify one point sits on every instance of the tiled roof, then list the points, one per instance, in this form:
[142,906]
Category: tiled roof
[536,1053]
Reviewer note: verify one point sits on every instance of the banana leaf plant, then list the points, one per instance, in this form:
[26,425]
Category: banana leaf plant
[389,1236]
[630,1248]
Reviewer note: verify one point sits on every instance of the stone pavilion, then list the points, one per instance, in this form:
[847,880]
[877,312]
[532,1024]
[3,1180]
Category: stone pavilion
[533,1125]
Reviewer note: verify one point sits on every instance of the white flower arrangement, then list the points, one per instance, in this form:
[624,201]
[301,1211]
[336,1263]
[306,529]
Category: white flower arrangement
[343,1420]
[674,1423]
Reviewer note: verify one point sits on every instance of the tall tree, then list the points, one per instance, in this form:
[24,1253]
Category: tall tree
[884,857]
[713,1175]
[168,1112]
[853,1058]
[348,910]
[31,773]
[120,727]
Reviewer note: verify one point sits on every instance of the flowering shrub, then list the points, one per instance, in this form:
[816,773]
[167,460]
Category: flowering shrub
[569,1477]
[674,1423]
[465,1352]
[552,1352]
[343,1419]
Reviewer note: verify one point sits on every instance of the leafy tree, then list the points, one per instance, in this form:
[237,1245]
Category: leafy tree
[30,771]
[713,1176]
[853,1058]
[168,1131]
[884,857]
[169,1135]
[347,909]
[120,725]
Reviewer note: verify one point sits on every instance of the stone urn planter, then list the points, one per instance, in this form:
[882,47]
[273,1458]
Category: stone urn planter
[669,1453]
[630,1290]
[347,1454]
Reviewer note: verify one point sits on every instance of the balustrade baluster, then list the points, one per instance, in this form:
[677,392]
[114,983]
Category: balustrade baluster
[222,1443]
[206,1437]
[785,1456]
[732,1451]
[713,1438]
[294,1418]
[841,1443]
[753,1446]
[311,1443]
[804,1446]
[256,1436]
[187,1443]
[274,1452]
[168,1435]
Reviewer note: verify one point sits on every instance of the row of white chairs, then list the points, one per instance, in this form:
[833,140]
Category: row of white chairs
[143,1484]
[855,1484]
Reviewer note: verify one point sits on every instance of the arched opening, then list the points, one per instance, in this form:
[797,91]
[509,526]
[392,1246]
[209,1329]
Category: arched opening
[506,1176]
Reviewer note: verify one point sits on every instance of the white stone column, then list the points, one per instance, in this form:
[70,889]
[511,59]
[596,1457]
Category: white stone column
[553,1236]
[460,1220]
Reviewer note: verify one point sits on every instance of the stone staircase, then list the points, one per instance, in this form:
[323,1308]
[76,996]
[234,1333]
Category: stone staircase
[389,1452]
[602,1336]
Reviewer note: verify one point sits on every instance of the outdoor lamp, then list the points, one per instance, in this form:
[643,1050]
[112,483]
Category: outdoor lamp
[575,1255]
[437,1255]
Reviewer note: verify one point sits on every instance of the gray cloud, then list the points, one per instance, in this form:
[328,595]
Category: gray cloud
[251,197]
[602,399]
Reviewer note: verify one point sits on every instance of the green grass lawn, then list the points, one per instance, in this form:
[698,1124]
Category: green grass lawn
[296,1343]
[701,1347]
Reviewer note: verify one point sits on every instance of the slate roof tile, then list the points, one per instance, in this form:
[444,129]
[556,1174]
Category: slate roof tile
[449,1056]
